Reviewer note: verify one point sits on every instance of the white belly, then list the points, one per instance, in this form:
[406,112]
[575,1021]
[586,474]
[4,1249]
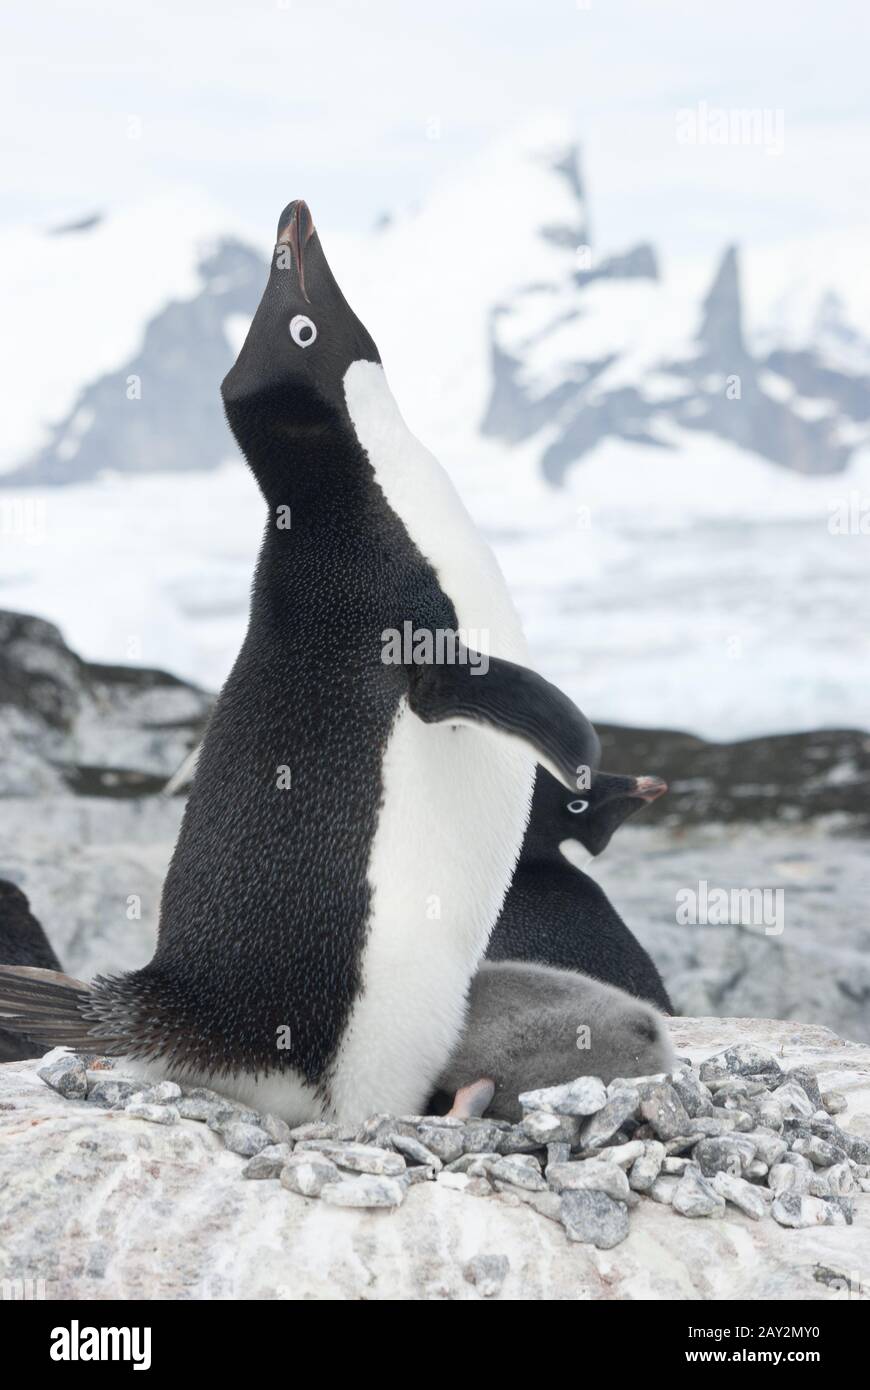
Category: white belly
[454,811]
[455,802]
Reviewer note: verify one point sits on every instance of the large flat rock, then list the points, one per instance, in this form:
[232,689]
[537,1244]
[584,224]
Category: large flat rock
[100,1205]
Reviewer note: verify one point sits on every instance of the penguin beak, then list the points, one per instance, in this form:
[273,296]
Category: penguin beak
[295,229]
[649,788]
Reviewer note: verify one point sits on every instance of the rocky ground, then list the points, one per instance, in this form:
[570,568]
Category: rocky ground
[85,748]
[114,1203]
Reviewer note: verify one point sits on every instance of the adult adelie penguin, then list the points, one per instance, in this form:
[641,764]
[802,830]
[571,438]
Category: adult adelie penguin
[354,822]
[555,914]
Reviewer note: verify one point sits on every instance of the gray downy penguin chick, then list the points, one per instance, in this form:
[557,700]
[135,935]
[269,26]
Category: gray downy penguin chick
[522,1032]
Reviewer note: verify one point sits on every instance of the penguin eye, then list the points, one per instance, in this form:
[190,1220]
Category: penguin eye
[575,807]
[302,330]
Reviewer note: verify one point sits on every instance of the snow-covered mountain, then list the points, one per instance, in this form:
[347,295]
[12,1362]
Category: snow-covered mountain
[656,450]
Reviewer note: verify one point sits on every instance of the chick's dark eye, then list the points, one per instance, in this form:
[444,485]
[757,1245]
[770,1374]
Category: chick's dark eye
[302,330]
[575,807]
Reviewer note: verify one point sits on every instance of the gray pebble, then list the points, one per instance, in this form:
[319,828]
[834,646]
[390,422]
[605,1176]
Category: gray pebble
[769,1147]
[268,1163]
[695,1196]
[682,1143]
[740,1193]
[808,1083]
[799,1211]
[244,1139]
[67,1075]
[836,1181]
[309,1174]
[558,1153]
[841,1210]
[156,1114]
[622,1154]
[477,1165]
[444,1141]
[756,1170]
[714,1070]
[646,1169]
[420,1174]
[214,1113]
[519,1174]
[277,1129]
[731,1153]
[820,1153]
[663,1188]
[786,1178]
[319,1129]
[693,1093]
[546,1128]
[746,1059]
[735,1089]
[590,1175]
[223,1119]
[768,1112]
[834,1102]
[515,1141]
[857,1149]
[110,1093]
[161,1093]
[411,1148]
[585,1096]
[662,1108]
[794,1101]
[594,1217]
[600,1128]
[482,1136]
[358,1158]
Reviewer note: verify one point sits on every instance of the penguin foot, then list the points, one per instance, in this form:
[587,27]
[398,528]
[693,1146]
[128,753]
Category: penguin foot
[472,1100]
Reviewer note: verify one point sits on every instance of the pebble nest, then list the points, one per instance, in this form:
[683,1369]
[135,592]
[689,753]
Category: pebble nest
[735,1130]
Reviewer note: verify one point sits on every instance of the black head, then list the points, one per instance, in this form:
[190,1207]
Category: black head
[590,817]
[286,387]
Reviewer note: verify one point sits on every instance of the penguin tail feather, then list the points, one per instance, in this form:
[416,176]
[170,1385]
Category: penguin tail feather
[49,1007]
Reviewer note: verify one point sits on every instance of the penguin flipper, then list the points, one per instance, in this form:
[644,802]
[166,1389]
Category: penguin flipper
[48,1007]
[511,700]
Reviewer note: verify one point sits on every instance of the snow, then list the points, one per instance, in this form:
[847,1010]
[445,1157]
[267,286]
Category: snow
[79,302]
[694,585]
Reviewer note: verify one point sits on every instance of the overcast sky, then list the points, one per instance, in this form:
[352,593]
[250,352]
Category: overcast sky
[359,105]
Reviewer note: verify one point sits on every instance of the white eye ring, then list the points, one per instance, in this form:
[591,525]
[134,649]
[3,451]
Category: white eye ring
[302,330]
[575,807]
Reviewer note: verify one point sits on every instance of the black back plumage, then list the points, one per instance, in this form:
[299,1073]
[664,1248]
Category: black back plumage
[556,915]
